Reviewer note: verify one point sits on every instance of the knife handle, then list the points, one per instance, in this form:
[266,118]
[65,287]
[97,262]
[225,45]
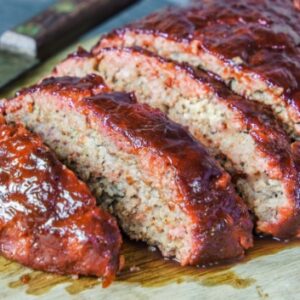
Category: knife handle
[58,25]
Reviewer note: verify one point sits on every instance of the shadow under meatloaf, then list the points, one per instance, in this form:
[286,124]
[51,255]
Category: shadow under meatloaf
[253,45]
[160,183]
[242,134]
[48,218]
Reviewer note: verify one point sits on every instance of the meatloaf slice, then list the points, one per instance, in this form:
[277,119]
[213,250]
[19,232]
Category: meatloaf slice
[161,184]
[48,217]
[253,45]
[241,133]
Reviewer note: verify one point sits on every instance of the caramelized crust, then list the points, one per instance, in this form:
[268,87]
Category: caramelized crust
[221,226]
[254,40]
[48,218]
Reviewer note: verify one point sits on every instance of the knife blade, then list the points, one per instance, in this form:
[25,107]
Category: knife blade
[26,45]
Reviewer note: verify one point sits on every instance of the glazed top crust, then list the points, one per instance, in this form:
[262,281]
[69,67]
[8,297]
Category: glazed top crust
[207,194]
[65,231]
[69,87]
[265,34]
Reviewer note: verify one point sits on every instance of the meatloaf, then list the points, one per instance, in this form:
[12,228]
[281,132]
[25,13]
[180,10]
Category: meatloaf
[162,185]
[48,217]
[242,134]
[253,45]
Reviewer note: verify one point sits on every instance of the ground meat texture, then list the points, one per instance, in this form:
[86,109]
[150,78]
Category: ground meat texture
[162,185]
[48,217]
[242,134]
[253,45]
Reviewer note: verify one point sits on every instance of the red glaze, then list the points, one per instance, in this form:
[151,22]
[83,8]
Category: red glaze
[264,33]
[48,218]
[222,226]
[69,86]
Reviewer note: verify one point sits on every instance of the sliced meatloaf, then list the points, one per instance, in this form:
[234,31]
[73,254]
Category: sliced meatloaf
[241,133]
[161,184]
[48,217]
[253,45]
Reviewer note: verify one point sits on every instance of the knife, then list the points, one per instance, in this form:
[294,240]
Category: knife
[28,44]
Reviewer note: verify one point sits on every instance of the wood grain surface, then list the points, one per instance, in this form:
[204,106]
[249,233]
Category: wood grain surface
[270,271]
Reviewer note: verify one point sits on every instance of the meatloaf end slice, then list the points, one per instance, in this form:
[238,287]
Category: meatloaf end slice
[159,182]
[241,133]
[48,217]
[252,45]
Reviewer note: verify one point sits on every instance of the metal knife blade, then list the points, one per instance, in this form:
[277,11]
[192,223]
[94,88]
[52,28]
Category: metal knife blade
[12,65]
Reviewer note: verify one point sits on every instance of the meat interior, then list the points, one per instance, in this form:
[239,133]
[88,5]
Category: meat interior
[138,189]
[210,120]
[243,83]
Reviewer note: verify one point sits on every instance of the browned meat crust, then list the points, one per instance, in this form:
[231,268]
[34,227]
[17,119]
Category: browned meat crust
[220,224]
[48,218]
[253,45]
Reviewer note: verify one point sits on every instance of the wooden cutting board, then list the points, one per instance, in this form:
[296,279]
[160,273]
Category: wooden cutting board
[271,270]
